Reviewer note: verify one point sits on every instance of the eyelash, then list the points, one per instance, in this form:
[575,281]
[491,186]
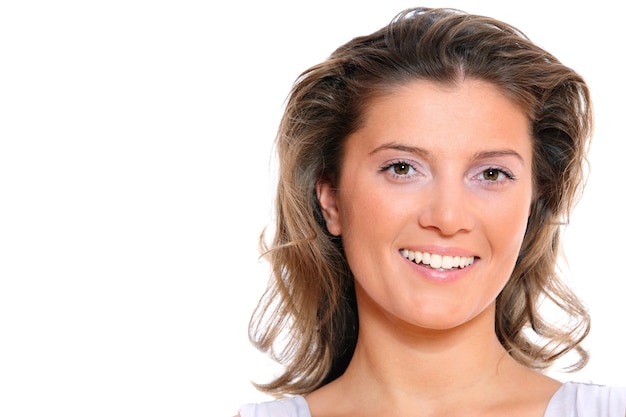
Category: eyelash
[393,164]
[409,165]
[504,172]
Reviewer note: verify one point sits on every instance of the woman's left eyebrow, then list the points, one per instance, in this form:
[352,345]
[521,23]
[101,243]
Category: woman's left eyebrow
[497,153]
[425,154]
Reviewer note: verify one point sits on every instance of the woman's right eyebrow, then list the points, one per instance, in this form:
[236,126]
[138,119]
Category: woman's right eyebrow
[402,148]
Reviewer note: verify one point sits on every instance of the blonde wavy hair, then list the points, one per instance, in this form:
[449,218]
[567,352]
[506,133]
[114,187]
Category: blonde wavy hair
[307,319]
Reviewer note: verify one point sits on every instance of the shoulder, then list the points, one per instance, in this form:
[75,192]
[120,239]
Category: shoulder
[575,399]
[295,406]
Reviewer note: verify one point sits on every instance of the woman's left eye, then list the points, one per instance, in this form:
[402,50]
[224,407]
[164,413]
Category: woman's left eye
[494,174]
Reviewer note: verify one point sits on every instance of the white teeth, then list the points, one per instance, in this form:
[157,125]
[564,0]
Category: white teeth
[448,261]
[437,261]
[418,257]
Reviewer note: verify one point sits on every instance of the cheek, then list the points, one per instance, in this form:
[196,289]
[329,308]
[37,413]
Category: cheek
[369,209]
[361,219]
[369,220]
[510,226]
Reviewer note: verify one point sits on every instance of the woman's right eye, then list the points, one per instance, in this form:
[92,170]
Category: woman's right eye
[400,169]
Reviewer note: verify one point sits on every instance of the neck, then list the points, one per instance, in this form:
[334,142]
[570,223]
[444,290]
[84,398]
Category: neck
[395,360]
[398,368]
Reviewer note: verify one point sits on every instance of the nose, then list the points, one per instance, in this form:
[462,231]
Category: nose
[446,207]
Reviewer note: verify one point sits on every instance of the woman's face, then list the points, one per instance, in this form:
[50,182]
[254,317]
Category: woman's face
[433,201]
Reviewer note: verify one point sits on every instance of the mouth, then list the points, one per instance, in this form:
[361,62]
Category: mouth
[436,261]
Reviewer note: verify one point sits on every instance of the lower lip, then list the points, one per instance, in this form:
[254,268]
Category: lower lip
[443,276]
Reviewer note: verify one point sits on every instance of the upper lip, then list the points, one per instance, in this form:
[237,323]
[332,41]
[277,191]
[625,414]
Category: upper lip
[441,250]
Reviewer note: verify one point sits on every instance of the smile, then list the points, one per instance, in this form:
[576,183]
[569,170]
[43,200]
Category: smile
[436,261]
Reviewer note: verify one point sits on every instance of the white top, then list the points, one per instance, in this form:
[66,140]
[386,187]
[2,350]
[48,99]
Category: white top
[573,399]
[577,399]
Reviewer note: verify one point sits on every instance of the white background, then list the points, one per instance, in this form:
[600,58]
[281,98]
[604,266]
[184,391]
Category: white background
[135,178]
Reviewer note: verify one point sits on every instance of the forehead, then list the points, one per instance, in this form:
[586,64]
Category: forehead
[469,112]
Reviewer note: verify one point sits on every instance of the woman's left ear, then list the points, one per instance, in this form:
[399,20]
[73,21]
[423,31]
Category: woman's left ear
[327,198]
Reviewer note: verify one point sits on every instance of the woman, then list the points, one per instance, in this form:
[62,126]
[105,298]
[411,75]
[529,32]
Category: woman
[426,171]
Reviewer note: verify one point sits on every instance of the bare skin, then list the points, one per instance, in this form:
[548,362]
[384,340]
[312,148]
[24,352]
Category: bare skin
[445,170]
[466,372]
